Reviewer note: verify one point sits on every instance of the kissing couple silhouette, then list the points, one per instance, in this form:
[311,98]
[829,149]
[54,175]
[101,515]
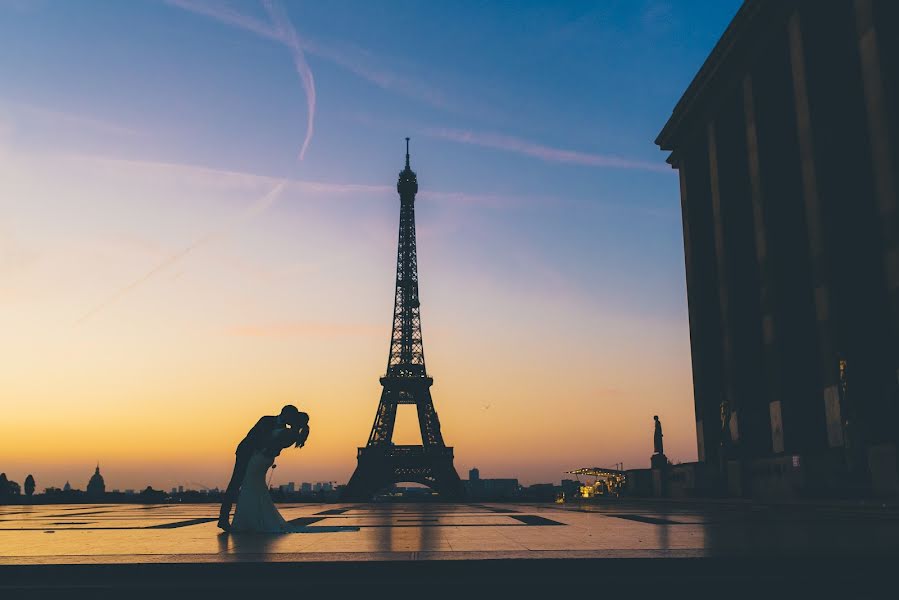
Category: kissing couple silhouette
[256,453]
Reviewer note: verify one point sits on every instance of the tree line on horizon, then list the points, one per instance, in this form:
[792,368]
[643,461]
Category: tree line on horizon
[10,490]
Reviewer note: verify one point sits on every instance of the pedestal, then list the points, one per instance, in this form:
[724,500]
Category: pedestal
[659,461]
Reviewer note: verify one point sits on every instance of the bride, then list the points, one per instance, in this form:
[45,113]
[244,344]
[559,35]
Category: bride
[256,513]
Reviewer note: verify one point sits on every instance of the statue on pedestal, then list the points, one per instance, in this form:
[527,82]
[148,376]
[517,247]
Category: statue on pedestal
[657,437]
[658,459]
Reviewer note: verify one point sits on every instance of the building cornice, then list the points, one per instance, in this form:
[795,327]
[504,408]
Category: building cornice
[724,67]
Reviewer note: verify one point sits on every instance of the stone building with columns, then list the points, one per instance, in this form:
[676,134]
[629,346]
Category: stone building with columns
[787,147]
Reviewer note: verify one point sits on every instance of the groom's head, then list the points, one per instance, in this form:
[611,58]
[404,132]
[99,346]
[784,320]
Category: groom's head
[293,417]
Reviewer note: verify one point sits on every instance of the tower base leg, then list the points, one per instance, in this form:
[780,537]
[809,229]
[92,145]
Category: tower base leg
[381,467]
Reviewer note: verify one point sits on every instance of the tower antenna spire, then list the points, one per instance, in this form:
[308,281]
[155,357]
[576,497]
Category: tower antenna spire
[407,153]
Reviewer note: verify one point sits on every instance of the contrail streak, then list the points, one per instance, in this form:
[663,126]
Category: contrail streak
[282,32]
[226,15]
[545,153]
[355,60]
[289,35]
[254,209]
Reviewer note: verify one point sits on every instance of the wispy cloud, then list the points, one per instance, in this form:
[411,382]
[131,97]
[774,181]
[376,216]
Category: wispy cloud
[231,181]
[494,200]
[288,33]
[243,180]
[280,30]
[358,62]
[545,153]
[228,16]
[56,118]
[355,60]
[226,178]
[507,143]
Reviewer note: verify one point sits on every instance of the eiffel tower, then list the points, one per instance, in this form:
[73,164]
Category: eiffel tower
[381,462]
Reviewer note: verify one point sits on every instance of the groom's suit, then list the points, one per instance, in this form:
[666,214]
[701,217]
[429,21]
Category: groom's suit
[256,439]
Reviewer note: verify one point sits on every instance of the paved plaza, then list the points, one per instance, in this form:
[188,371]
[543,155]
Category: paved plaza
[101,533]
[517,540]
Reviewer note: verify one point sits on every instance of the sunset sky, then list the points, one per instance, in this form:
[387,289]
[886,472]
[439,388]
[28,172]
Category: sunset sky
[198,222]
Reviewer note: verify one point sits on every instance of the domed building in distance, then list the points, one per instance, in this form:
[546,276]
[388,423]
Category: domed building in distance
[96,486]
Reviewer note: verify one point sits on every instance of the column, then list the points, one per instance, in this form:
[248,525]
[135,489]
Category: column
[882,451]
[729,407]
[702,295]
[767,287]
[815,231]
[691,310]
[704,450]
[882,159]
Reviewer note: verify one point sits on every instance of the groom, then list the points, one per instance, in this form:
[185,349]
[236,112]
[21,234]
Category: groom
[258,438]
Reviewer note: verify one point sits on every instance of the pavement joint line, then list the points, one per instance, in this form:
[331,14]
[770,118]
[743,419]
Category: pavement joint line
[178,524]
[535,520]
[302,521]
[645,519]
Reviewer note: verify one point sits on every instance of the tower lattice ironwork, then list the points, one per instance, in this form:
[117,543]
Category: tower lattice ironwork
[381,462]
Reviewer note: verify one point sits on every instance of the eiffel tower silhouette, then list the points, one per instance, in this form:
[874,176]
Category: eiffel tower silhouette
[381,462]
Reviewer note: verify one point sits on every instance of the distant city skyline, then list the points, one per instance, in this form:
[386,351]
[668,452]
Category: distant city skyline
[198,225]
[303,487]
[299,486]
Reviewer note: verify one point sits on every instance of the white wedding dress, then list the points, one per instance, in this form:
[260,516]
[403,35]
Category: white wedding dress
[256,513]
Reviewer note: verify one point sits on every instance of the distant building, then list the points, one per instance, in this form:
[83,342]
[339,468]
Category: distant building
[67,487]
[540,492]
[490,489]
[174,491]
[501,489]
[306,488]
[96,486]
[570,488]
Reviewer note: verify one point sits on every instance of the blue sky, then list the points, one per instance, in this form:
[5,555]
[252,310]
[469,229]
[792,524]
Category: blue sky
[140,140]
